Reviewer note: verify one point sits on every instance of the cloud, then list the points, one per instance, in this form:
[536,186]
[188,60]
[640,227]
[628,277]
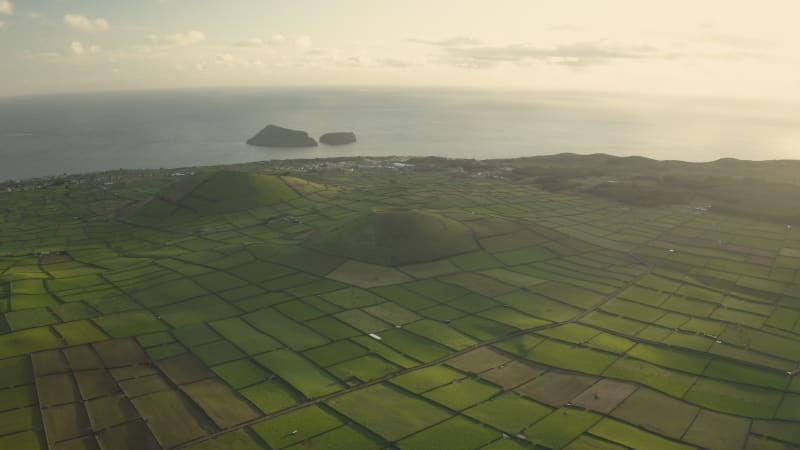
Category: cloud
[179,39]
[77,48]
[394,63]
[469,53]
[6,7]
[42,56]
[252,42]
[304,42]
[455,41]
[83,23]
[277,39]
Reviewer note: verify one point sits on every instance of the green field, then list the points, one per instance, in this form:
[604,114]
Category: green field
[430,305]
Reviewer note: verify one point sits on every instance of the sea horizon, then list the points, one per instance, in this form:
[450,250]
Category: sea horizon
[50,135]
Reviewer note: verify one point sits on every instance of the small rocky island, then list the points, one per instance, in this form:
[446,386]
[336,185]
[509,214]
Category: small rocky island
[275,136]
[338,138]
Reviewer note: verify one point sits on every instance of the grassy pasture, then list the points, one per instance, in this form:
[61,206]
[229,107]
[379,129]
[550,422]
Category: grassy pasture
[18,397]
[335,353]
[685,361]
[539,306]
[510,316]
[241,373]
[480,328]
[290,333]
[110,411]
[556,388]
[423,380]
[18,420]
[561,427]
[414,346]
[271,396]
[630,436]
[605,395]
[235,440]
[145,385]
[364,368]
[513,374]
[297,426]
[734,398]
[131,323]
[385,352]
[244,336]
[408,414]
[95,383]
[343,438]
[572,357]
[436,331]
[657,412]
[457,432]
[48,362]
[391,313]
[509,412]
[332,328]
[664,380]
[729,371]
[247,315]
[404,297]
[220,402]
[461,394]
[303,375]
[783,431]
[184,368]
[479,360]
[171,418]
[27,341]
[362,321]
[714,430]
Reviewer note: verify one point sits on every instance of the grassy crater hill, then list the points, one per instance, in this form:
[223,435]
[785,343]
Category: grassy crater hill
[213,193]
[395,237]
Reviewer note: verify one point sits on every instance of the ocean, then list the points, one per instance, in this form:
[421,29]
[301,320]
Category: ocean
[51,135]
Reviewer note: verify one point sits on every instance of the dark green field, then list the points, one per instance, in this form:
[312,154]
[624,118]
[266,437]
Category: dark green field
[557,302]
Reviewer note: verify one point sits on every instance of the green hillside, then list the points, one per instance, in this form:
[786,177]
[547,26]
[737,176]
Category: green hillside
[212,193]
[390,237]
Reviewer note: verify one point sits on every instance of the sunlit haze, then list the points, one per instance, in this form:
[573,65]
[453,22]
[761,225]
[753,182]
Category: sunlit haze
[700,47]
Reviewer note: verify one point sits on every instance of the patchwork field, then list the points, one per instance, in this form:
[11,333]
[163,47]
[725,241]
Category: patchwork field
[363,304]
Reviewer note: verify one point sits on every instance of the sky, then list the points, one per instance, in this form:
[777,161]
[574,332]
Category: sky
[717,48]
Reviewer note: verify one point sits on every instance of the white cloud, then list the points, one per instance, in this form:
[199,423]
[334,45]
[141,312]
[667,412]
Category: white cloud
[304,42]
[83,23]
[77,48]
[470,53]
[179,39]
[6,7]
[2,24]
[252,42]
[42,56]
[94,49]
[275,40]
